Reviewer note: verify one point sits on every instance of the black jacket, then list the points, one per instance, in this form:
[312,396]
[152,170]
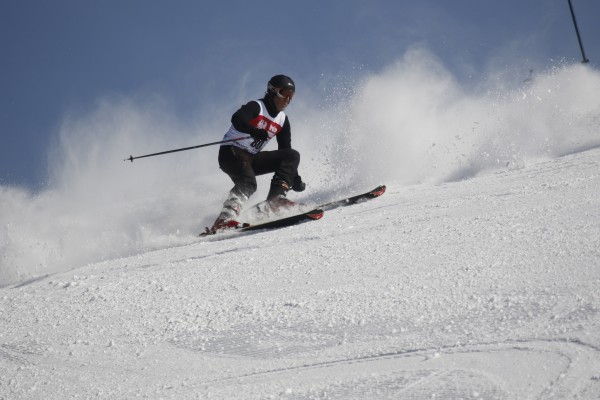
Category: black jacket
[242,117]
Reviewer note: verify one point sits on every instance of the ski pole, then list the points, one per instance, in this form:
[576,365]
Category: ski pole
[585,59]
[131,158]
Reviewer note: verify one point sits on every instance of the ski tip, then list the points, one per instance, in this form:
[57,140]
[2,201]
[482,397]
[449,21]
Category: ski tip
[315,214]
[378,191]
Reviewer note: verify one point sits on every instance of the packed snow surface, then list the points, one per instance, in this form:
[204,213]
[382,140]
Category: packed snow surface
[484,288]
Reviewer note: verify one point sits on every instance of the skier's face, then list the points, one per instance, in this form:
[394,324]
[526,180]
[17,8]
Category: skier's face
[282,98]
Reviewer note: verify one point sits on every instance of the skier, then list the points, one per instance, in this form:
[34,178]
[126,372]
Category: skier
[254,125]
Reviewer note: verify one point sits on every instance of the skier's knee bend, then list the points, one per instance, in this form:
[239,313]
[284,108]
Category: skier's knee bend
[293,156]
[288,169]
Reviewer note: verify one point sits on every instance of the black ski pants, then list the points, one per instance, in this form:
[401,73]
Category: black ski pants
[243,167]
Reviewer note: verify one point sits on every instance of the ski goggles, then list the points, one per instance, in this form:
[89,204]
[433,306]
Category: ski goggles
[283,93]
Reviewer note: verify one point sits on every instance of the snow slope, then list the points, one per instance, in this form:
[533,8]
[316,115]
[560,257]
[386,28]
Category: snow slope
[485,288]
[412,122]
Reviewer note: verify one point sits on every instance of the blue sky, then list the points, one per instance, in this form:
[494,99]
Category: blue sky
[60,57]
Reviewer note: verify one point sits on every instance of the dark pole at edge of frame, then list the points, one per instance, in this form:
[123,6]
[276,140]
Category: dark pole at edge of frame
[585,59]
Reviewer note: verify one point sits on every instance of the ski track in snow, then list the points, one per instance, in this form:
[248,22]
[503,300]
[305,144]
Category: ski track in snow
[478,289]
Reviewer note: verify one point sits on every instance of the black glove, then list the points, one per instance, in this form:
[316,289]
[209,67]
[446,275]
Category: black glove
[298,185]
[259,134]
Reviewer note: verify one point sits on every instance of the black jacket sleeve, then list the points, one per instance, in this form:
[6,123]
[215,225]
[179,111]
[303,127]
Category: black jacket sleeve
[284,138]
[242,117]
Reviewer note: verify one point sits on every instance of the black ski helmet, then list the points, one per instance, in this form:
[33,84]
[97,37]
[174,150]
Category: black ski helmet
[281,82]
